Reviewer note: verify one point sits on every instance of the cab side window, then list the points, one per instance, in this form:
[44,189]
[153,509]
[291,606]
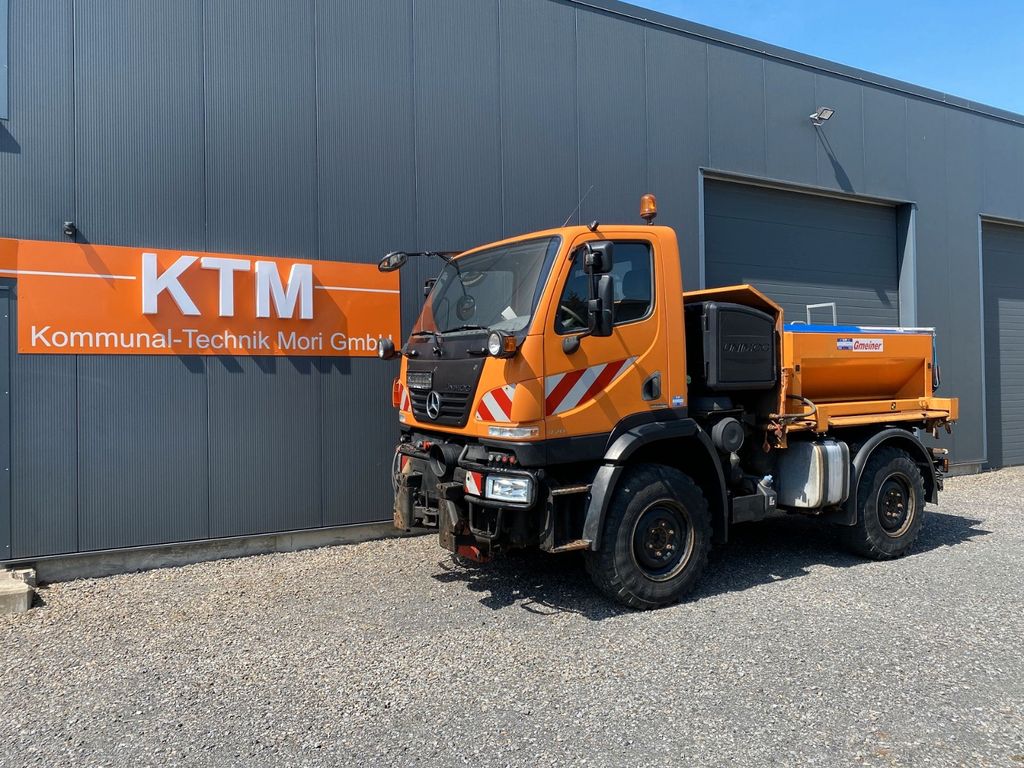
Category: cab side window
[572,307]
[634,281]
[633,276]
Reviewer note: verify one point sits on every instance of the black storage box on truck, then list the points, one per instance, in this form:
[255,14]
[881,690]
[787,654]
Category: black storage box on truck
[730,347]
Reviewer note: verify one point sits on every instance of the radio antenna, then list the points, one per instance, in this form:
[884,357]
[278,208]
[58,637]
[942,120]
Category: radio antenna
[578,206]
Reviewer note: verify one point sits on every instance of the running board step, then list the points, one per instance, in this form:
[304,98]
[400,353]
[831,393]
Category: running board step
[572,546]
[568,490]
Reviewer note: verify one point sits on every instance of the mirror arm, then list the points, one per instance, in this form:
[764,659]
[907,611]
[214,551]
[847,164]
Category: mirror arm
[572,343]
[446,256]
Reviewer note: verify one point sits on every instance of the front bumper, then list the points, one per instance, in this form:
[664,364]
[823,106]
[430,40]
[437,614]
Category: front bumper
[459,491]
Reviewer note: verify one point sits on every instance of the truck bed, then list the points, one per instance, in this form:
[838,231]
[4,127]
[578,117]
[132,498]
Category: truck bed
[859,375]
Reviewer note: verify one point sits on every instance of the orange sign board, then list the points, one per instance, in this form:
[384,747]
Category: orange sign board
[96,299]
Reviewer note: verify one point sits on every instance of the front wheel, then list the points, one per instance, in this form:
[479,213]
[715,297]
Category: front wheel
[655,539]
[890,506]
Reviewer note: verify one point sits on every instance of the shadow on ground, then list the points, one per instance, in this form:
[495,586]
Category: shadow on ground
[757,554]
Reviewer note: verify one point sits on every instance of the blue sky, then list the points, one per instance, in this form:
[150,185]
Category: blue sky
[974,50]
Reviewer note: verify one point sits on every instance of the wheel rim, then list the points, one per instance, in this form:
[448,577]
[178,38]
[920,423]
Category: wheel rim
[663,539]
[896,505]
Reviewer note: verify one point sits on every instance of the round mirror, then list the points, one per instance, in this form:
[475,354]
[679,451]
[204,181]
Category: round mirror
[465,307]
[392,261]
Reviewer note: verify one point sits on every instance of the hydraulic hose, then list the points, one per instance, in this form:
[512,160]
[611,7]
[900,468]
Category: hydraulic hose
[786,418]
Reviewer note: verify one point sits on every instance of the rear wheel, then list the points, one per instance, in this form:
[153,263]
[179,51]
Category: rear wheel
[890,506]
[655,540]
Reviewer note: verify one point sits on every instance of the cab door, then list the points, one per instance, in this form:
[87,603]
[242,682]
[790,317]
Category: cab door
[589,390]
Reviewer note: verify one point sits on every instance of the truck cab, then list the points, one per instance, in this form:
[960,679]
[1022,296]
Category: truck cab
[560,391]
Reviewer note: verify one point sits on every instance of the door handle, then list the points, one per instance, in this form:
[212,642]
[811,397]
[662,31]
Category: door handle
[651,389]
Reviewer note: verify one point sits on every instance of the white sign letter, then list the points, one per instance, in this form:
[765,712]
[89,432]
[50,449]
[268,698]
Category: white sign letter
[153,284]
[226,268]
[300,288]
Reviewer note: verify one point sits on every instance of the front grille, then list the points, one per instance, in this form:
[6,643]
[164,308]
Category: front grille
[454,381]
[454,408]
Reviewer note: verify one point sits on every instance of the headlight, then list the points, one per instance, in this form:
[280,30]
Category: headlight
[513,433]
[494,345]
[503,488]
[501,344]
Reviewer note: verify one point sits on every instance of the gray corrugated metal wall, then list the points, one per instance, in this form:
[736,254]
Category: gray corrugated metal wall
[804,249]
[337,130]
[4,29]
[138,178]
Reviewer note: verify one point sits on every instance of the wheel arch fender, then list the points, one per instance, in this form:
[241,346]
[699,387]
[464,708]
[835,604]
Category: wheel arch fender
[899,438]
[680,443]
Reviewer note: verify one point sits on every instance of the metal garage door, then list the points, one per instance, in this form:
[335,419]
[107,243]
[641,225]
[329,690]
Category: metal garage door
[804,249]
[1003,249]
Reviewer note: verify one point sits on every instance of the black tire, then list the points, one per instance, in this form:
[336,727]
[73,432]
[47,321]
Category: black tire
[655,540]
[890,506]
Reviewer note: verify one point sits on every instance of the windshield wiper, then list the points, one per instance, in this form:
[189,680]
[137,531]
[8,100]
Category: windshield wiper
[467,328]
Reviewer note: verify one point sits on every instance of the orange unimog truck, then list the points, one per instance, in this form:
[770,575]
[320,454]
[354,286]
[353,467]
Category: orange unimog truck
[560,391]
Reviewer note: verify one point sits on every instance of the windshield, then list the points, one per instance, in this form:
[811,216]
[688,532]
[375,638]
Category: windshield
[492,290]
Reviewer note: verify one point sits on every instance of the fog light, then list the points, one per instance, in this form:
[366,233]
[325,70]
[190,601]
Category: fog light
[514,489]
[514,433]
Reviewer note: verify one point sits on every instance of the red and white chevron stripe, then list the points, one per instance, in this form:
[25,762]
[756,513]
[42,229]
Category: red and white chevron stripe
[565,391]
[496,405]
[403,401]
[474,484]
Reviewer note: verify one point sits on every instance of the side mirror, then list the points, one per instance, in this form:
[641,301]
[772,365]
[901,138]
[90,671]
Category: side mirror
[391,262]
[598,257]
[601,309]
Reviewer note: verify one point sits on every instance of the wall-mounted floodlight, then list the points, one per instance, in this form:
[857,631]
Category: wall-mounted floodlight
[822,114]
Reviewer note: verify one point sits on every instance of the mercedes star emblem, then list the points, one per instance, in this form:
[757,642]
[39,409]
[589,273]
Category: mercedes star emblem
[433,405]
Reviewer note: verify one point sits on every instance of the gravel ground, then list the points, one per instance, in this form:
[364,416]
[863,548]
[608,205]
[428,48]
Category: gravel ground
[386,653]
